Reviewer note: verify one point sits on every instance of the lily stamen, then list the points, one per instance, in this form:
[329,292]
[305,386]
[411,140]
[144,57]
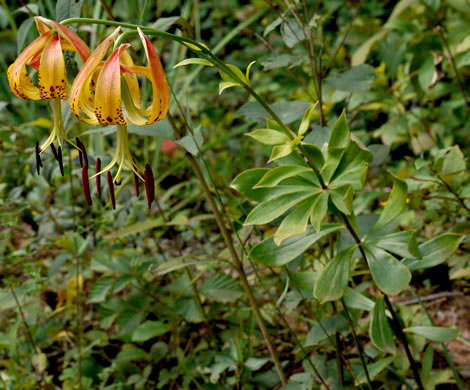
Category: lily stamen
[98,177]
[111,189]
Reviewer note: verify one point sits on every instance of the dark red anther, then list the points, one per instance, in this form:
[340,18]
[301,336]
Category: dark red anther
[59,158]
[86,185]
[111,189]
[83,150]
[149,185]
[54,152]
[38,157]
[98,178]
[136,184]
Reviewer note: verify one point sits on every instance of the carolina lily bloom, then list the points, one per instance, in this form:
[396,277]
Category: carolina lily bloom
[45,55]
[108,92]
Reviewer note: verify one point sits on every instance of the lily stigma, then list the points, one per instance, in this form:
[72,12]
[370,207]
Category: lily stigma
[45,55]
[108,93]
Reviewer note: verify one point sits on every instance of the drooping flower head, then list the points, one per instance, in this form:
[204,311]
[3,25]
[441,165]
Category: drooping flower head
[45,55]
[107,92]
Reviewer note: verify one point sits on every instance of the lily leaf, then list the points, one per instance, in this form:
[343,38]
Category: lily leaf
[390,275]
[333,280]
[268,253]
[271,209]
[395,204]
[296,222]
[381,333]
[434,333]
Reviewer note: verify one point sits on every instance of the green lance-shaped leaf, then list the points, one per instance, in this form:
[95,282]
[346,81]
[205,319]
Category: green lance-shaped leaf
[193,61]
[227,84]
[148,330]
[390,275]
[303,280]
[276,175]
[269,137]
[280,151]
[435,251]
[306,119]
[320,207]
[268,253]
[333,280]
[315,155]
[237,72]
[434,333]
[395,204]
[273,208]
[331,163]
[339,137]
[100,289]
[381,333]
[339,140]
[355,300]
[352,168]
[296,222]
[427,363]
[374,369]
[403,244]
[245,182]
[342,198]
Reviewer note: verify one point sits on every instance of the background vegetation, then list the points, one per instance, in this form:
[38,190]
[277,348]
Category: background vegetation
[96,298]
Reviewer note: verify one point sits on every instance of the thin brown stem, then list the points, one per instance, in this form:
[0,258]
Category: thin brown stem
[23,319]
[338,48]
[236,262]
[452,191]
[454,66]
[316,70]
[404,341]
[107,9]
[398,328]
[358,345]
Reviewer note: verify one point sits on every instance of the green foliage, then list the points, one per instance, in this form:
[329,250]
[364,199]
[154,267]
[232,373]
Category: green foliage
[351,186]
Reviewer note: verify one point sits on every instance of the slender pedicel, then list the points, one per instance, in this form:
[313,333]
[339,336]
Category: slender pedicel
[38,158]
[98,178]
[111,189]
[86,185]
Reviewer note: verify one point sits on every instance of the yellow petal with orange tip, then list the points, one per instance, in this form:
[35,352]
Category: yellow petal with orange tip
[52,76]
[108,107]
[161,94]
[73,40]
[80,92]
[18,78]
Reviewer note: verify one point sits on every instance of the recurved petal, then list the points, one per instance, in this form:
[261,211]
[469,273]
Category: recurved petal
[80,91]
[51,77]
[43,25]
[18,78]
[161,94]
[108,107]
[131,80]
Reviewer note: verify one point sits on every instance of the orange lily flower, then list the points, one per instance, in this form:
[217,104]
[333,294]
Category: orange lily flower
[45,55]
[106,93]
